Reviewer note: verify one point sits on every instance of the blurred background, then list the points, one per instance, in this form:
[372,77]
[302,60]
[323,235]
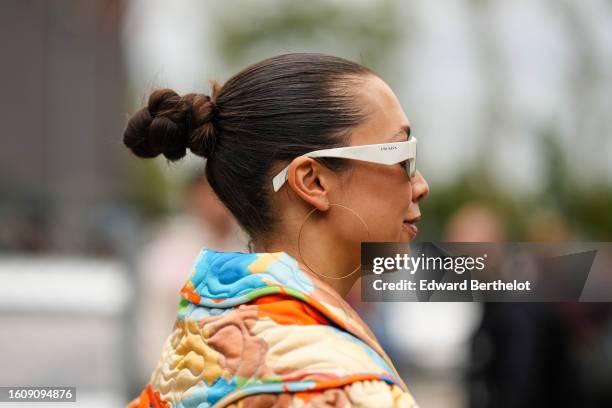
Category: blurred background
[511,102]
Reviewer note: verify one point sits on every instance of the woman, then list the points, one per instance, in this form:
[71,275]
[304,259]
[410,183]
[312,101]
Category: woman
[270,327]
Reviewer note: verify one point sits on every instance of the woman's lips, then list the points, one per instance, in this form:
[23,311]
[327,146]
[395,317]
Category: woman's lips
[410,225]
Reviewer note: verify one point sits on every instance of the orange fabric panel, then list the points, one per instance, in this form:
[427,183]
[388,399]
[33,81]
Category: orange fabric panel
[285,309]
[148,399]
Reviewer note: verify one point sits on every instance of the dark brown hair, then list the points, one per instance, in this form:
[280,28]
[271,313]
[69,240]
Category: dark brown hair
[267,114]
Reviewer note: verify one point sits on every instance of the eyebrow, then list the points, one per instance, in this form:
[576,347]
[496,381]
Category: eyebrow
[403,129]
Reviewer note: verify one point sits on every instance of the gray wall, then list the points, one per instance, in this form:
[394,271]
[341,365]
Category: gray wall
[62,115]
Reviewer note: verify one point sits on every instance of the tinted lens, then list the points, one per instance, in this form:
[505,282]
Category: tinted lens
[412,162]
[410,167]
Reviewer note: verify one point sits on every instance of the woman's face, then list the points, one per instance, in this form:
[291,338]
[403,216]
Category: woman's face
[383,195]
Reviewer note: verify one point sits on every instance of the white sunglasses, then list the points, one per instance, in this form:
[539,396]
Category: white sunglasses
[383,153]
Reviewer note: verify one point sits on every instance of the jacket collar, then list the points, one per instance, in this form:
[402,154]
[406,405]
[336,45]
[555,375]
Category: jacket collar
[224,280]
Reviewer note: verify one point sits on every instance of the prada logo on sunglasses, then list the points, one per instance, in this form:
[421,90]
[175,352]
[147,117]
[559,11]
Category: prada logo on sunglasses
[388,148]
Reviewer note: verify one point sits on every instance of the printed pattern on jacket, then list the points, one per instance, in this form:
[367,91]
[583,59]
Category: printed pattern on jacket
[254,330]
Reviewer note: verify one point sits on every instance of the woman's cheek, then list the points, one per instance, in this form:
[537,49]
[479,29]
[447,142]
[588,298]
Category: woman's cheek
[387,225]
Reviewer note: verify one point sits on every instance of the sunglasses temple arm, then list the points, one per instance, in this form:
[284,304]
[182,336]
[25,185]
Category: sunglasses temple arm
[279,179]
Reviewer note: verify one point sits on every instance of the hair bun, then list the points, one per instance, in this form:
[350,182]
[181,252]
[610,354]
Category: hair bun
[171,123]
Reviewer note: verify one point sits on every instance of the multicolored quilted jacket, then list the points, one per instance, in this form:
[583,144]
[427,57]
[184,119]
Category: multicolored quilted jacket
[254,330]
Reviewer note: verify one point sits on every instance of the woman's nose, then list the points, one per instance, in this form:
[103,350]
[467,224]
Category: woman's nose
[420,188]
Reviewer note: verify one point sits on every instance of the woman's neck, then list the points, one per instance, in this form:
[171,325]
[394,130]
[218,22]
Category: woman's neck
[319,258]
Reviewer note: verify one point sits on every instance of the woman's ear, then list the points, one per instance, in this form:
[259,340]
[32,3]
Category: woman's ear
[310,181]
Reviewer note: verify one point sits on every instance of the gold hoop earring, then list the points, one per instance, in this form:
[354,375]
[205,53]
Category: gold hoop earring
[300,236]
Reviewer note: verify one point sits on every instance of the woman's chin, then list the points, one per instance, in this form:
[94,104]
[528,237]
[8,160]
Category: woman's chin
[405,236]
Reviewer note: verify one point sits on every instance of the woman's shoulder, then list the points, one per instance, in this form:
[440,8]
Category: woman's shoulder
[269,345]
[371,393]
